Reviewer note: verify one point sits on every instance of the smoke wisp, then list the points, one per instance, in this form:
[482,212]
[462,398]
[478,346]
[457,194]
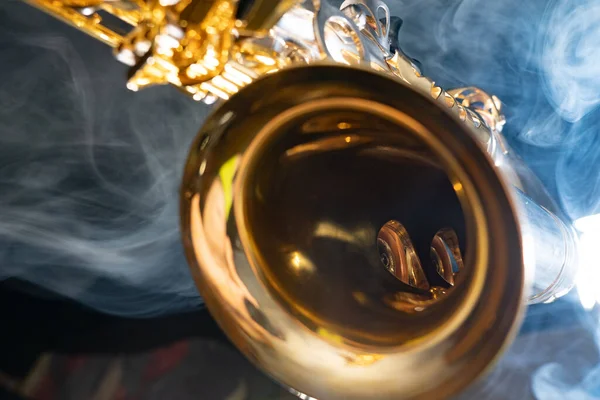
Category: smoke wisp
[89,172]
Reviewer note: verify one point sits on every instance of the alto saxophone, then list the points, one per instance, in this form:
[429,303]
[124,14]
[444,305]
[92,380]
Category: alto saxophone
[357,231]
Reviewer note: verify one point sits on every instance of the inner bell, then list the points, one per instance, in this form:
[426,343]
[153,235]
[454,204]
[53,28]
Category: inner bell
[355,224]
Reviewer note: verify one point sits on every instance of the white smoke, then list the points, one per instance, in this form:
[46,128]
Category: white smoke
[89,172]
[542,58]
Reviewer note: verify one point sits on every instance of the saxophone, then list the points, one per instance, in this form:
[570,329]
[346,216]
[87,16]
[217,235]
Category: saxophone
[356,230]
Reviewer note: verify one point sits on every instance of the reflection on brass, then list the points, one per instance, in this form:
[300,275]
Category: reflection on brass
[446,255]
[363,359]
[398,255]
[325,145]
[325,123]
[489,107]
[290,181]
[301,264]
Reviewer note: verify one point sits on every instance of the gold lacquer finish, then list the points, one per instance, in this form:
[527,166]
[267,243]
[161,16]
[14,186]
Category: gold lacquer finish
[356,230]
[197,45]
[191,41]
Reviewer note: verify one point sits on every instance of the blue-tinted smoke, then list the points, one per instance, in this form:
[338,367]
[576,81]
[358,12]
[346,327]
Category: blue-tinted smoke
[542,58]
[89,172]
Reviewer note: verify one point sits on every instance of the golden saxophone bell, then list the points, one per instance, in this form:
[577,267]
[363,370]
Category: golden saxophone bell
[283,200]
[357,231]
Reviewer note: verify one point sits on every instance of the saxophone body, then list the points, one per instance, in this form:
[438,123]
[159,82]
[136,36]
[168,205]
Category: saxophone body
[356,230]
